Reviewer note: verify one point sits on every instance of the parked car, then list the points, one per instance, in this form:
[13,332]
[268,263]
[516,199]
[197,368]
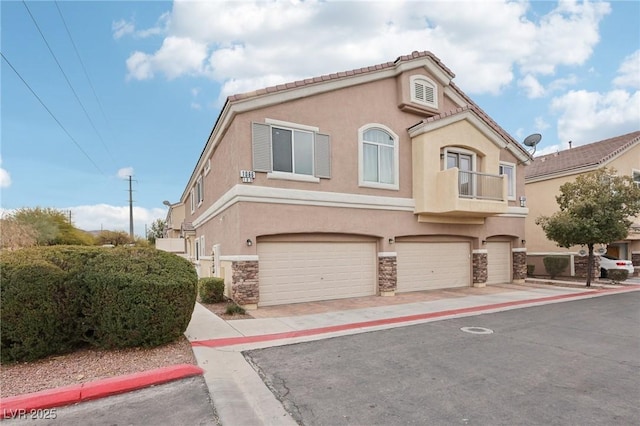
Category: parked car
[609,262]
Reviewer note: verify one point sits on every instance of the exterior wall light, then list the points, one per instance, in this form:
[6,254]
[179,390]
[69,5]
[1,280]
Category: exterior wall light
[249,242]
[523,201]
[391,241]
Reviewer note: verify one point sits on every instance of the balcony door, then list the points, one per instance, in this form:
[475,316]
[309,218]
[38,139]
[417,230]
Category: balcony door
[464,163]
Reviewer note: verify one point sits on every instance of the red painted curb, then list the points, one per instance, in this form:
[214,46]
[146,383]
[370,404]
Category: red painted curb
[229,341]
[100,388]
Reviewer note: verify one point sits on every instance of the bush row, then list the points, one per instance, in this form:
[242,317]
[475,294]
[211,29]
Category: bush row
[55,299]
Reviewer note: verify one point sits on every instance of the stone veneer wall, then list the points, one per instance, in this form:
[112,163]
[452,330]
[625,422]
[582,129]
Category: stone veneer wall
[480,268]
[244,282]
[635,259]
[580,265]
[519,265]
[387,274]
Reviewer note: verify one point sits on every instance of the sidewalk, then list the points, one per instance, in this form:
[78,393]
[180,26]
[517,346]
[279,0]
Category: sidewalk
[241,397]
[238,393]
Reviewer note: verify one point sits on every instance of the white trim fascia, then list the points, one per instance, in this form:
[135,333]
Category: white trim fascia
[454,96]
[292,176]
[427,63]
[480,251]
[206,258]
[387,254]
[262,194]
[519,249]
[239,258]
[556,253]
[635,252]
[478,123]
[291,125]
[513,211]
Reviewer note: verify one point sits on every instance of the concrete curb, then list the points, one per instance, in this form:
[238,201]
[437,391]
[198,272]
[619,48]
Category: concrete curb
[72,394]
[239,340]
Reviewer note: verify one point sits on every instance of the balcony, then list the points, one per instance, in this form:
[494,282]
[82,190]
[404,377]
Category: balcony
[173,245]
[462,197]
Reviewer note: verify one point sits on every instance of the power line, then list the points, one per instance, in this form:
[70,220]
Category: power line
[84,69]
[68,81]
[51,114]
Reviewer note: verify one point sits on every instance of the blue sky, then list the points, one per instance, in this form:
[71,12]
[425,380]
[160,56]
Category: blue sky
[157,74]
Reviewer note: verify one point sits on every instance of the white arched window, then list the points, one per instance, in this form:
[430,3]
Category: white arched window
[424,91]
[378,157]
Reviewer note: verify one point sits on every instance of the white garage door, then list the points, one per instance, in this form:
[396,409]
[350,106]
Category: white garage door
[428,266]
[305,272]
[498,262]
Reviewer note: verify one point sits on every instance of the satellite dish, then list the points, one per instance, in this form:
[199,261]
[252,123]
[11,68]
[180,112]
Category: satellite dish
[532,140]
[582,253]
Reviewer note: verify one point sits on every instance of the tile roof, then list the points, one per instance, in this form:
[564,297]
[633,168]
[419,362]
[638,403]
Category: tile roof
[584,156]
[339,75]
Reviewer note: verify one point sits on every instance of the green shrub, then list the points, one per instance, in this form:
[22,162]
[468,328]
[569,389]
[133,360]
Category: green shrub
[38,316]
[554,265]
[55,299]
[618,275]
[211,290]
[233,309]
[137,297]
[530,270]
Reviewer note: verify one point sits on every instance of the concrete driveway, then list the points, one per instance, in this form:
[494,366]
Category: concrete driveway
[576,362]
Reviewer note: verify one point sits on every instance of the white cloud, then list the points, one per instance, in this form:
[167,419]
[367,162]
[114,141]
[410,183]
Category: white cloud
[113,218]
[629,72]
[591,116]
[125,172]
[121,28]
[5,177]
[531,86]
[248,45]
[540,124]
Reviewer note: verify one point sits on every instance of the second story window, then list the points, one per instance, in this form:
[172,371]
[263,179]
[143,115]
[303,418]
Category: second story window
[378,152]
[424,91]
[199,191]
[509,171]
[290,151]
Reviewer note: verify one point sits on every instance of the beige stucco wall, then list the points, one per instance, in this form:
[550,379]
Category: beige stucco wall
[339,114]
[541,202]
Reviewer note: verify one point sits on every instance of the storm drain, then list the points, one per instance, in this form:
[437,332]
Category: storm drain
[477,330]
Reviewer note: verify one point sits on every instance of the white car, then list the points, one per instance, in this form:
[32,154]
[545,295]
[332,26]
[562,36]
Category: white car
[609,262]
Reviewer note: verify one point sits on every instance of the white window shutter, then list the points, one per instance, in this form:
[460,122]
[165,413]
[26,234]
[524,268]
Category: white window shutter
[261,142]
[322,156]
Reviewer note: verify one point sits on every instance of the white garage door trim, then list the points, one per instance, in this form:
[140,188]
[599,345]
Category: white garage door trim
[297,272]
[498,262]
[429,266]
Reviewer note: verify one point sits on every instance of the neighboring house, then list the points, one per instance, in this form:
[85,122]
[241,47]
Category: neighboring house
[543,180]
[373,181]
[173,239]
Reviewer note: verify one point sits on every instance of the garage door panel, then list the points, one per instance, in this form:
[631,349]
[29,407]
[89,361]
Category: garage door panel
[303,272]
[498,262]
[427,266]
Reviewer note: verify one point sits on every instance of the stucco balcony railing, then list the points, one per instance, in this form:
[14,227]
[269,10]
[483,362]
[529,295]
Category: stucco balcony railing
[173,245]
[456,196]
[478,185]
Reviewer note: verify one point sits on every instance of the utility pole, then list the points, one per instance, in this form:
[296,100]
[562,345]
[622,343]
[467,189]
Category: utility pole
[130,210]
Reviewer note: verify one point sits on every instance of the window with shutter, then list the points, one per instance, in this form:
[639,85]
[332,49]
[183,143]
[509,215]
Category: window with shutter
[295,152]
[424,91]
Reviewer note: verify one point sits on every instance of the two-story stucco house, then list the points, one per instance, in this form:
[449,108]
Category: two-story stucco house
[374,181]
[548,172]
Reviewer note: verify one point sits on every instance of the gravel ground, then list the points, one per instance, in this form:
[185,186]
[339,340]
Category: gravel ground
[87,365]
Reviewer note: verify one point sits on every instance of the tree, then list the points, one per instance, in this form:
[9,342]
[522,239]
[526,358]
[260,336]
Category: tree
[50,226]
[156,231]
[14,235]
[595,209]
[117,238]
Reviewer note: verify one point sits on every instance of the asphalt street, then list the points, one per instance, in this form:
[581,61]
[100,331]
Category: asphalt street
[559,364]
[181,402]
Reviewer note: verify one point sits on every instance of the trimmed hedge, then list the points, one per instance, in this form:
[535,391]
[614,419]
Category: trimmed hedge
[55,299]
[555,265]
[211,290]
[617,275]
